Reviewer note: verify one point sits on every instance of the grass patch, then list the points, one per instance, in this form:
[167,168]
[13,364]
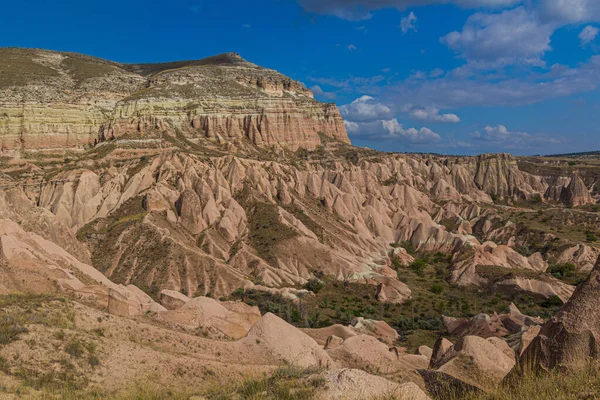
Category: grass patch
[579,384]
[286,383]
[20,311]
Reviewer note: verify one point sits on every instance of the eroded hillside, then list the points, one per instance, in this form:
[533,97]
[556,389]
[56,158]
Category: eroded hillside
[183,247]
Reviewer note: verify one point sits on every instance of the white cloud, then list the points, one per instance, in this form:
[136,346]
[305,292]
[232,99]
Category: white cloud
[352,47]
[588,35]
[430,114]
[408,23]
[365,109]
[391,129]
[396,130]
[569,11]
[512,36]
[317,90]
[357,10]
[466,88]
[246,26]
[501,136]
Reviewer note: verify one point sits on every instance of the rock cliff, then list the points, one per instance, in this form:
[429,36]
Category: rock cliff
[57,101]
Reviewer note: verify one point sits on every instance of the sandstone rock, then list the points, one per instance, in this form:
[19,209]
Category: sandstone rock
[208,315]
[321,335]
[147,304]
[364,351]
[527,338]
[357,384]
[479,362]
[425,351]
[510,322]
[570,338]
[392,291]
[378,329]
[173,300]
[123,303]
[235,99]
[332,342]
[441,347]
[576,193]
[284,342]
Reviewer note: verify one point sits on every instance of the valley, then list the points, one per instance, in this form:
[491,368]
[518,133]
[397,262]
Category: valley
[206,229]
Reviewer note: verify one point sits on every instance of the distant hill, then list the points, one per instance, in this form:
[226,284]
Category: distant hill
[577,155]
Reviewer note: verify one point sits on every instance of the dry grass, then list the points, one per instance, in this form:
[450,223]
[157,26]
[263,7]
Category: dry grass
[20,311]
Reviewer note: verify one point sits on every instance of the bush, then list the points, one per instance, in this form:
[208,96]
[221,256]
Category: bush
[408,246]
[553,301]
[418,266]
[436,288]
[10,329]
[562,270]
[74,348]
[314,285]
[591,237]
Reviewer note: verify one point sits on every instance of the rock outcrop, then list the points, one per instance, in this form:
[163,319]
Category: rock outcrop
[58,101]
[512,321]
[284,342]
[478,362]
[576,193]
[570,338]
[357,384]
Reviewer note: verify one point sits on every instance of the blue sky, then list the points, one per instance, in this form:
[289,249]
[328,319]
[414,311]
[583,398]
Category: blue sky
[447,76]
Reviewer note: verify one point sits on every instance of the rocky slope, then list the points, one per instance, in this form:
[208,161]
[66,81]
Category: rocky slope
[65,101]
[194,223]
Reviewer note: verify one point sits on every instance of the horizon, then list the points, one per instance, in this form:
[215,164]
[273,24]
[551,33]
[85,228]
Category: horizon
[462,78]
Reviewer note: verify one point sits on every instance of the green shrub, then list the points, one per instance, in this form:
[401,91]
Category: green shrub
[418,266]
[74,348]
[10,329]
[562,270]
[436,288]
[591,237]
[409,247]
[314,285]
[553,301]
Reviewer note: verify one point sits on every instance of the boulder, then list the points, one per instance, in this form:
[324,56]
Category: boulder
[173,300]
[207,315]
[332,342]
[356,384]
[425,351]
[441,347]
[320,335]
[123,303]
[286,343]
[378,329]
[478,362]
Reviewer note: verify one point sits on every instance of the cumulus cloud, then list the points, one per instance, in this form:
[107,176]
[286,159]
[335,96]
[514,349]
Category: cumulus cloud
[512,36]
[391,129]
[357,10]
[408,23]
[499,135]
[352,47]
[365,109]
[318,91]
[430,114]
[588,35]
